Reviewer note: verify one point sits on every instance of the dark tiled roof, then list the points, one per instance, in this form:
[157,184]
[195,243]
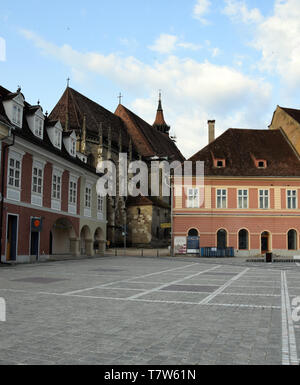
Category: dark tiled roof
[78,105]
[239,146]
[150,141]
[44,143]
[295,114]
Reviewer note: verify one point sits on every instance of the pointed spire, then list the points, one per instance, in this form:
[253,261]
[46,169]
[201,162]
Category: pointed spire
[160,123]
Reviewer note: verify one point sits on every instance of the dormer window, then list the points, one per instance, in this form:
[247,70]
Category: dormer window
[261,164]
[14,105]
[35,119]
[219,163]
[73,147]
[57,139]
[54,130]
[38,127]
[17,114]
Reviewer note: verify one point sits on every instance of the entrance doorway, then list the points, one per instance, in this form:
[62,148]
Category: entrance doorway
[11,237]
[193,242]
[34,244]
[265,242]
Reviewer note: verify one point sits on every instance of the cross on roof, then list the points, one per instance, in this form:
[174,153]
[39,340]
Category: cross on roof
[120,98]
[68,82]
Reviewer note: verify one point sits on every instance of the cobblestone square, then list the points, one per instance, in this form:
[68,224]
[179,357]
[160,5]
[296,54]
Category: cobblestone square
[138,310]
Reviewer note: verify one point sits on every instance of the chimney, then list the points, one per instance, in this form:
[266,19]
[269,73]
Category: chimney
[211,130]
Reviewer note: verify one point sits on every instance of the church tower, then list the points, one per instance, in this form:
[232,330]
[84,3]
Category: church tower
[160,123]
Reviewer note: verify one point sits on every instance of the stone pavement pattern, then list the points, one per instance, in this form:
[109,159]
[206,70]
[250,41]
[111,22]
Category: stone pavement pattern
[130,310]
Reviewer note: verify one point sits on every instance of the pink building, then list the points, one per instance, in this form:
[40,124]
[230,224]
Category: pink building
[250,200]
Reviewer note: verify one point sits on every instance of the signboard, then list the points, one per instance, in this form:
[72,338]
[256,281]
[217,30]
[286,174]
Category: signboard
[180,245]
[165,225]
[193,245]
[36,224]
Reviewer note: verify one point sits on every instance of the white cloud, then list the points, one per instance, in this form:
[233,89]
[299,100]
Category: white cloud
[193,91]
[167,44]
[238,11]
[278,39]
[201,8]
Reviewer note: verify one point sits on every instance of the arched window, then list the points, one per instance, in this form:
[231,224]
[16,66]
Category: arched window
[243,240]
[292,240]
[193,233]
[222,239]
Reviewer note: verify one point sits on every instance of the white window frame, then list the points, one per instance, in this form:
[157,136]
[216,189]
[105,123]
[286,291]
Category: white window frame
[36,196]
[14,173]
[55,198]
[13,191]
[241,197]
[193,199]
[291,199]
[73,147]
[221,197]
[38,126]
[57,137]
[17,112]
[88,197]
[72,194]
[264,194]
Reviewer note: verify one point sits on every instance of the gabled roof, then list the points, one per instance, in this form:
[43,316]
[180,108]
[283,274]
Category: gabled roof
[295,114]
[75,105]
[239,146]
[148,140]
[45,143]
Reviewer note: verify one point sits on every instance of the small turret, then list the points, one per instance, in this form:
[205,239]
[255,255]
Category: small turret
[160,123]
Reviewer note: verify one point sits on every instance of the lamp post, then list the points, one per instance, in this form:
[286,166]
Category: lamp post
[5,132]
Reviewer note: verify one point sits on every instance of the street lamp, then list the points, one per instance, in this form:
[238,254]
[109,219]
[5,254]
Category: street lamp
[5,132]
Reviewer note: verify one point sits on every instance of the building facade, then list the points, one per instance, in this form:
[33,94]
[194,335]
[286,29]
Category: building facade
[103,135]
[47,182]
[250,199]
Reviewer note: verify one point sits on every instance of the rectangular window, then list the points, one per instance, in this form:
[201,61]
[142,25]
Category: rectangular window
[56,186]
[100,204]
[221,199]
[291,199]
[17,113]
[73,147]
[193,198]
[88,194]
[263,199]
[14,173]
[37,180]
[38,127]
[57,142]
[242,199]
[72,193]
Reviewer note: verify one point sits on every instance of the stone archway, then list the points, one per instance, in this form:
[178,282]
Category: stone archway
[62,237]
[86,241]
[99,241]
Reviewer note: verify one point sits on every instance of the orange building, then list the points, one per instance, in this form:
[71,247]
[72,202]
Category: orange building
[250,201]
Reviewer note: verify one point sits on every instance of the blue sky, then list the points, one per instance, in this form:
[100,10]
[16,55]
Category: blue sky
[229,60]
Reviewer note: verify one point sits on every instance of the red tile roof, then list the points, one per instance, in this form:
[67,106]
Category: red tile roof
[239,146]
